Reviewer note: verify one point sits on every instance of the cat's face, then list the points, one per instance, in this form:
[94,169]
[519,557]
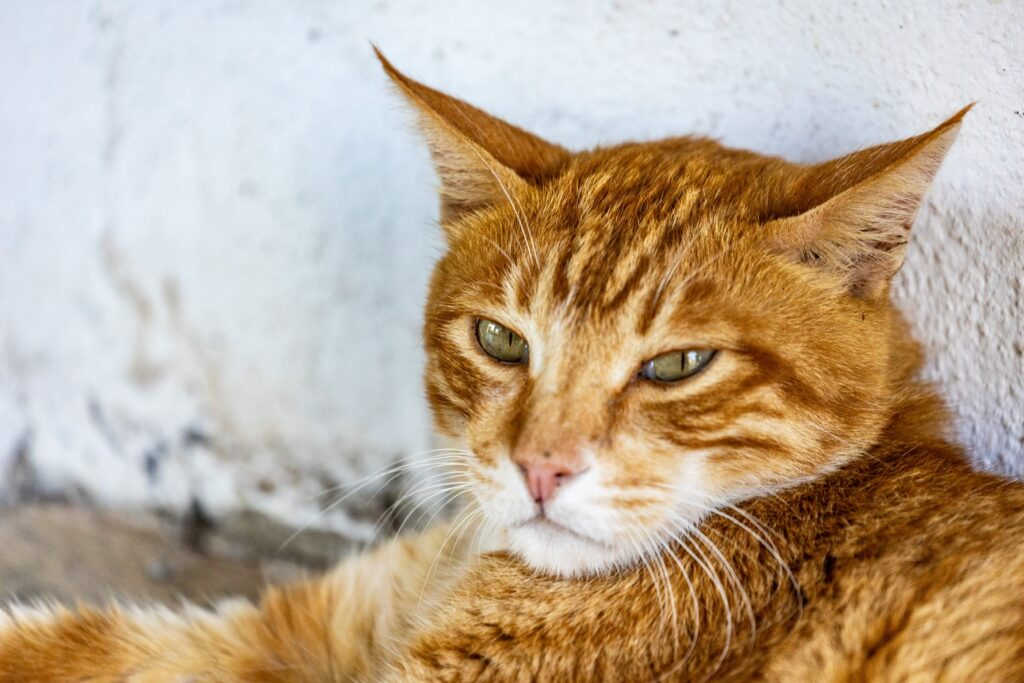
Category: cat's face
[631,339]
[600,282]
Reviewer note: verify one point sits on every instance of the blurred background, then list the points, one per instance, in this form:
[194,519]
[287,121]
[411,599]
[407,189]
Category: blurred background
[217,224]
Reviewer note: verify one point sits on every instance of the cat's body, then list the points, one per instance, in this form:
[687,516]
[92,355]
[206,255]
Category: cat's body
[924,591]
[905,567]
[776,501]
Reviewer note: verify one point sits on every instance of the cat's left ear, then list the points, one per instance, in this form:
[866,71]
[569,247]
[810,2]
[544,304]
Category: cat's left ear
[480,159]
[863,208]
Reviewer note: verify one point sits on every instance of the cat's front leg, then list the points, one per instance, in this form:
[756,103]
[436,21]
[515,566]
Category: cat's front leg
[333,627]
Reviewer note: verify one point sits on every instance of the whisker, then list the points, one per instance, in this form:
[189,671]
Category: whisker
[647,568]
[762,538]
[694,273]
[731,574]
[704,564]
[501,250]
[656,545]
[474,513]
[673,608]
[696,610]
[394,546]
[458,490]
[768,545]
[441,456]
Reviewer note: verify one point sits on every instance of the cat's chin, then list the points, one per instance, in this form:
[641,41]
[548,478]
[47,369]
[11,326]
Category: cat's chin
[554,549]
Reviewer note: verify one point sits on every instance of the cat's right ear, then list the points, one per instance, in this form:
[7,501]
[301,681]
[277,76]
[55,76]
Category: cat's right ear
[481,160]
[862,207]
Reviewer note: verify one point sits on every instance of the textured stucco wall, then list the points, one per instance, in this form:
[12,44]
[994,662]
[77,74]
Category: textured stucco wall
[216,223]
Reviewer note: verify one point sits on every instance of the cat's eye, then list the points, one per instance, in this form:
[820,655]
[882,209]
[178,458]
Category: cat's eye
[501,343]
[676,365]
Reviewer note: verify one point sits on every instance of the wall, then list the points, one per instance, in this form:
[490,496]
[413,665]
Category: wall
[217,224]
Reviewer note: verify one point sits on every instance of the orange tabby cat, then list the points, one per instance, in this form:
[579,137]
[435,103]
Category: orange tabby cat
[695,447]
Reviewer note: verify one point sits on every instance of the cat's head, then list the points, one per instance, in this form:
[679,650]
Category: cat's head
[630,337]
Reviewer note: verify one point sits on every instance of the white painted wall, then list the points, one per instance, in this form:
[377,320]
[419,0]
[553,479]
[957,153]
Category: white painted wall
[216,224]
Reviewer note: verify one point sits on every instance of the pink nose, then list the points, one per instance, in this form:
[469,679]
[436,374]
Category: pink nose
[543,477]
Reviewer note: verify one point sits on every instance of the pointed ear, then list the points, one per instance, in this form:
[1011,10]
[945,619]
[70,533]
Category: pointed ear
[863,207]
[480,159]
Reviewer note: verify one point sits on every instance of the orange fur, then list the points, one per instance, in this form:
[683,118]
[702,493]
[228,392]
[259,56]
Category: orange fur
[795,509]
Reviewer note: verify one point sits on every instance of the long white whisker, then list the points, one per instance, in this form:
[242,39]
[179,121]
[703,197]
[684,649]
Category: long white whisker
[763,538]
[435,460]
[483,527]
[465,512]
[508,257]
[704,564]
[458,490]
[394,544]
[647,568]
[459,528]
[457,484]
[406,462]
[364,482]
[696,610]
[731,574]
[650,553]
[768,545]
[673,607]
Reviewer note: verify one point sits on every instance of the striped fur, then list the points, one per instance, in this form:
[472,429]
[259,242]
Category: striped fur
[793,512]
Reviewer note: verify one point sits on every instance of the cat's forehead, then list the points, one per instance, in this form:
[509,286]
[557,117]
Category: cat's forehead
[607,240]
[683,180]
[618,224]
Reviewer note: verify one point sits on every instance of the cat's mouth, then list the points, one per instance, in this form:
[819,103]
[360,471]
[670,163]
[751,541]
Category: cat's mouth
[555,548]
[546,525]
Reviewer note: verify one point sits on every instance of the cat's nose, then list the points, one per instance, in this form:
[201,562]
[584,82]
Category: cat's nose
[544,475]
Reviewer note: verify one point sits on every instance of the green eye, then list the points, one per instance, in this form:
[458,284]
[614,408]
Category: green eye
[676,365]
[501,343]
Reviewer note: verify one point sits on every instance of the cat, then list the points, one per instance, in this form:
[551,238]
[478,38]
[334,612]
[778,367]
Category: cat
[693,446]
